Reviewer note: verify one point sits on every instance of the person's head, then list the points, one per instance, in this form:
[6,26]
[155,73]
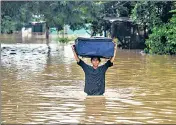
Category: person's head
[95,61]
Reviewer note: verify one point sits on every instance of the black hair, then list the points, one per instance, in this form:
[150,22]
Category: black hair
[95,57]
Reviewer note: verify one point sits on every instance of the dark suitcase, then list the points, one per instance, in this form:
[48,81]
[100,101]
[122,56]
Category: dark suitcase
[96,46]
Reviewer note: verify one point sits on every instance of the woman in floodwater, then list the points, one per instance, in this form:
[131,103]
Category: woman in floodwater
[95,74]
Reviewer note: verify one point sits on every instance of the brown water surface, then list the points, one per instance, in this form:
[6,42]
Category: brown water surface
[42,86]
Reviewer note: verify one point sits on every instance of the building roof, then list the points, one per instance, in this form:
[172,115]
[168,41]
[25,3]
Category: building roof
[122,19]
[39,22]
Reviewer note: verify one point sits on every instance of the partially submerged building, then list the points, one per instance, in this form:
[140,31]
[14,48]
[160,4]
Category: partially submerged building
[38,27]
[34,28]
[130,34]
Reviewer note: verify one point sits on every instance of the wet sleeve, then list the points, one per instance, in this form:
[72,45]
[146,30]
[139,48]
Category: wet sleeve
[107,65]
[82,64]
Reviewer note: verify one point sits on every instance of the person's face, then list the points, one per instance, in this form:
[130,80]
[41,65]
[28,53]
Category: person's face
[95,62]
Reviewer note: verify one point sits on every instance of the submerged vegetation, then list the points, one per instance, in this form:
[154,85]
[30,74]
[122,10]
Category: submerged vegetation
[65,39]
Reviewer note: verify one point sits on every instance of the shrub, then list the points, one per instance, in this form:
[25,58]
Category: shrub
[163,38]
[63,39]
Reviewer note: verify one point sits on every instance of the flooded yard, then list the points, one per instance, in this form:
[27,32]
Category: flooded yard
[42,85]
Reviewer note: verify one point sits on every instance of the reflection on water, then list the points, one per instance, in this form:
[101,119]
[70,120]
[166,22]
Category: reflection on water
[41,85]
[33,38]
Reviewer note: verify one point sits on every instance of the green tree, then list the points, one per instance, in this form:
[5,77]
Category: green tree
[152,13]
[163,38]
[15,14]
[157,18]
[59,13]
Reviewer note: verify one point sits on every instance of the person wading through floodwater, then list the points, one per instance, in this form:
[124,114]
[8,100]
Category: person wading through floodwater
[95,74]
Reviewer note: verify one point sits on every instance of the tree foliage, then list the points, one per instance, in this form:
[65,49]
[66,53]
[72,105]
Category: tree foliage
[152,13]
[58,13]
[159,19]
[163,38]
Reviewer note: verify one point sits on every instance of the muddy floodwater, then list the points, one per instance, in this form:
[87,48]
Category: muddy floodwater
[42,85]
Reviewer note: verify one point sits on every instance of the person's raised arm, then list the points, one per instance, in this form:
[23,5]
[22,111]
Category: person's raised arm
[75,54]
[115,50]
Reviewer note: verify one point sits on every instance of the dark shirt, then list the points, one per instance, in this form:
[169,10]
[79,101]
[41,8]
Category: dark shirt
[94,78]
